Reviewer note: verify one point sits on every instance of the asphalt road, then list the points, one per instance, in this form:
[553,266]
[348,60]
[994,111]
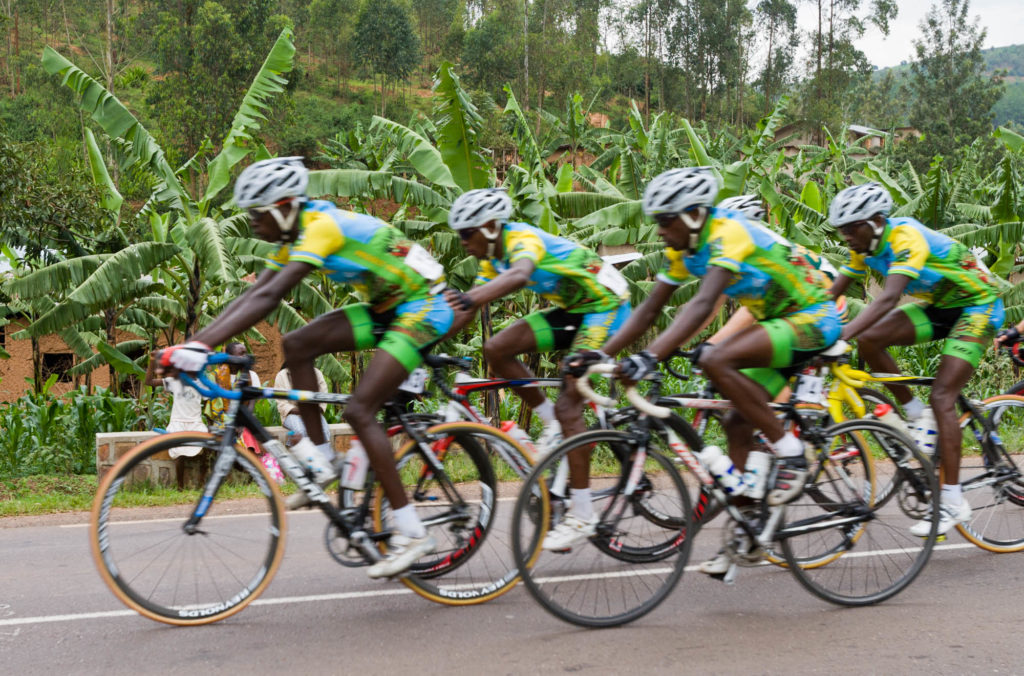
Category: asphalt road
[962,615]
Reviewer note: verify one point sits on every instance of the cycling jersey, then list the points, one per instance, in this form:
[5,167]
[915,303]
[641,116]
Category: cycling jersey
[771,277]
[363,251]
[566,274]
[942,271]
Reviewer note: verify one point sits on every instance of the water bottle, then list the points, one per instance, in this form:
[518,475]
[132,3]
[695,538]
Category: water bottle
[721,466]
[353,471]
[510,428]
[755,474]
[885,413]
[926,431]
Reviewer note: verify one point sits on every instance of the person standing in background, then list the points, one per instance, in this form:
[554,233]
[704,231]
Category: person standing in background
[186,416]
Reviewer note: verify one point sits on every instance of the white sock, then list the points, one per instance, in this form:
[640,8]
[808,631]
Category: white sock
[789,446]
[914,408]
[546,411]
[408,523]
[581,508]
[952,495]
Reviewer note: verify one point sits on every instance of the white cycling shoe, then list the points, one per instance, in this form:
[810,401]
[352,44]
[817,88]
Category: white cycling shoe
[402,553]
[570,532]
[949,516]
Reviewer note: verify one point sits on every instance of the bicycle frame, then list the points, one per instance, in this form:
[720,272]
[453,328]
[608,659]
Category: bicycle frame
[241,417]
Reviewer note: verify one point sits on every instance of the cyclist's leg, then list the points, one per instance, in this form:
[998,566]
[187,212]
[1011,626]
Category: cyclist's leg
[583,332]
[961,352]
[501,352]
[416,326]
[343,330]
[773,344]
[907,324]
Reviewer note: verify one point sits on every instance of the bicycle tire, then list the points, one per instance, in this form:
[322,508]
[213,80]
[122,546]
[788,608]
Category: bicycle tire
[135,557]
[473,563]
[630,565]
[888,556]
[993,483]
[842,463]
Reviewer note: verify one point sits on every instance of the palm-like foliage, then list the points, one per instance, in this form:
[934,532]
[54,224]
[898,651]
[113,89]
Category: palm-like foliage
[187,270]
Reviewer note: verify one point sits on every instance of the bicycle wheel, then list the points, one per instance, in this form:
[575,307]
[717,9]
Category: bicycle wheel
[473,562]
[844,463]
[181,576]
[888,557]
[991,477]
[633,561]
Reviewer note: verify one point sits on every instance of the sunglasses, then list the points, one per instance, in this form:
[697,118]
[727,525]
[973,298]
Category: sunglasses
[464,235]
[851,226]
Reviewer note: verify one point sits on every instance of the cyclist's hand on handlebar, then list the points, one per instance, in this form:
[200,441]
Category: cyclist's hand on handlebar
[636,366]
[695,354]
[1008,337]
[576,364]
[189,357]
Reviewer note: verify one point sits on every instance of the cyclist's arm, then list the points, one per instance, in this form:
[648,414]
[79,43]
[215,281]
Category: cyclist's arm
[641,319]
[840,286]
[895,284]
[516,277]
[690,317]
[254,304]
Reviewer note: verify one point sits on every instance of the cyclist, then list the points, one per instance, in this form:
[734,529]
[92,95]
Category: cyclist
[590,299]
[746,261]
[753,208]
[402,283]
[961,306]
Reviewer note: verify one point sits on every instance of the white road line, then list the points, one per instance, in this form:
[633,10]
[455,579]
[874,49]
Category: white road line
[305,512]
[343,596]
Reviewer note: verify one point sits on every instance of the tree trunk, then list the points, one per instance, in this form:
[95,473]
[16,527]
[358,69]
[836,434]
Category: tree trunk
[37,367]
[491,397]
[647,69]
[526,52]
[768,69]
[542,75]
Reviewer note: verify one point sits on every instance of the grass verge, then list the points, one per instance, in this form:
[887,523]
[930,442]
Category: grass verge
[48,494]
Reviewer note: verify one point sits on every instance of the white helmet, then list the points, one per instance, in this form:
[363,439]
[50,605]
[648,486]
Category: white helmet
[750,206]
[859,203]
[267,182]
[677,190]
[476,207]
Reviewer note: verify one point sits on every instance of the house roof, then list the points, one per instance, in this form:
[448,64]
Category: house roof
[862,130]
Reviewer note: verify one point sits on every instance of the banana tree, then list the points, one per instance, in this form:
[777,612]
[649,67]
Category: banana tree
[190,257]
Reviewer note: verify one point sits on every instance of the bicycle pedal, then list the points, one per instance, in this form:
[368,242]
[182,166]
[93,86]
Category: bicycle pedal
[717,576]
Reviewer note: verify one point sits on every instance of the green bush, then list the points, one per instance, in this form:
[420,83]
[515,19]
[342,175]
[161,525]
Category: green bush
[50,434]
[312,119]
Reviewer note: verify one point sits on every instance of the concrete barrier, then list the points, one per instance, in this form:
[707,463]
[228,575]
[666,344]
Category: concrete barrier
[161,469]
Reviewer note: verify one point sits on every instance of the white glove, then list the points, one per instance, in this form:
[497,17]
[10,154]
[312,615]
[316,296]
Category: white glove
[190,357]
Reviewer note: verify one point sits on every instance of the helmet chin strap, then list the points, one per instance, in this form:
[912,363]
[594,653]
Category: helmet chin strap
[694,222]
[876,237]
[492,237]
[286,223]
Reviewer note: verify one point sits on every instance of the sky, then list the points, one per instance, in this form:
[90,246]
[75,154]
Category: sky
[1004,20]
